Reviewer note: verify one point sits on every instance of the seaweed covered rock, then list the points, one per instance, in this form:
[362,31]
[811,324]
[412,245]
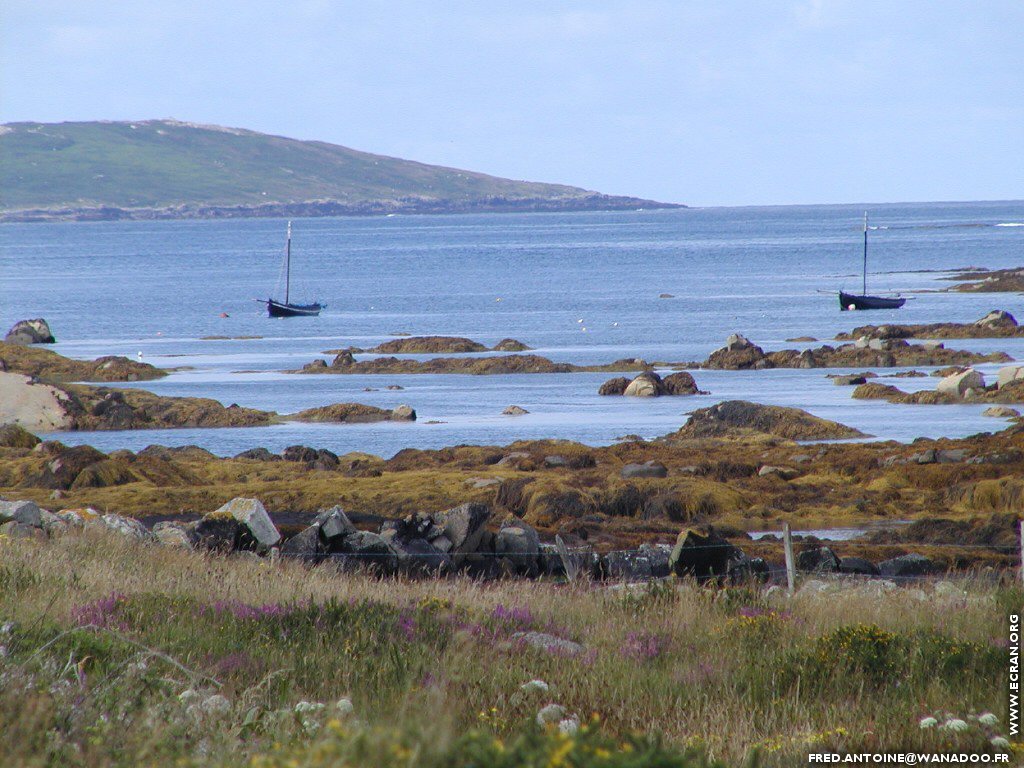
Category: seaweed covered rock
[511,345]
[354,413]
[15,436]
[35,331]
[429,345]
[740,417]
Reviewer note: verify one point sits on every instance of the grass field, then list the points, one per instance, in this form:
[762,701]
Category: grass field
[119,653]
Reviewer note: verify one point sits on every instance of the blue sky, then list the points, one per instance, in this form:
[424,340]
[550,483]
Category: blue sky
[706,103]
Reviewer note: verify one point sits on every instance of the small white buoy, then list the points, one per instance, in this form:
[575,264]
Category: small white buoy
[139,354]
[498,299]
[584,329]
[159,333]
[615,325]
[852,307]
[580,320]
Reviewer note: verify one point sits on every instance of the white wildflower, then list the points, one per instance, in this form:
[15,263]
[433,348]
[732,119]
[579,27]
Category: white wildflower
[304,707]
[928,722]
[534,685]
[988,719]
[569,726]
[999,742]
[550,714]
[344,706]
[955,724]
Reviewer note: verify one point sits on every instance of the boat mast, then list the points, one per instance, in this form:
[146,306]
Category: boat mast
[864,287]
[288,260]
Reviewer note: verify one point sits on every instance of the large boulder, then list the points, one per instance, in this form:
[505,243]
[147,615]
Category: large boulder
[32,405]
[253,515]
[614,386]
[126,526]
[959,384]
[418,557]
[372,551]
[1008,374]
[647,469]
[35,331]
[739,353]
[24,512]
[680,383]
[627,566]
[907,566]
[463,526]
[702,555]
[818,560]
[333,524]
[520,544]
[997,318]
[306,545]
[647,384]
[174,534]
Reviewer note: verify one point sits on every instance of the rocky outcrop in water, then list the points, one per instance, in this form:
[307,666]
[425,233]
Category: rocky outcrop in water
[741,354]
[650,384]
[354,413]
[734,418]
[35,331]
[51,367]
[996,324]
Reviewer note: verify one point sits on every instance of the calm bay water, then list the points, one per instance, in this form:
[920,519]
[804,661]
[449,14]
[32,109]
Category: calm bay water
[580,287]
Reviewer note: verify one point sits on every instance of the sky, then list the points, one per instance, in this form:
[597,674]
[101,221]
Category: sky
[720,102]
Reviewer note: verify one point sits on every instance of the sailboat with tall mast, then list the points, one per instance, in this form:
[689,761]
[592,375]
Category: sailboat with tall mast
[849,301]
[285,308]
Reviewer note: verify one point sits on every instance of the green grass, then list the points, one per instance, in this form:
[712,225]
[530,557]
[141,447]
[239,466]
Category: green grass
[111,651]
[159,163]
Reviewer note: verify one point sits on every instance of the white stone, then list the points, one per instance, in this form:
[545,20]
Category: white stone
[126,526]
[959,383]
[1009,373]
[253,515]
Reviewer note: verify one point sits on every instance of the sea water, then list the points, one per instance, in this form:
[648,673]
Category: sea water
[577,287]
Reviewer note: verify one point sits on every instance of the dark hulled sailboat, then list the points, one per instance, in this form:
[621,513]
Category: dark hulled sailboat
[863,301]
[285,308]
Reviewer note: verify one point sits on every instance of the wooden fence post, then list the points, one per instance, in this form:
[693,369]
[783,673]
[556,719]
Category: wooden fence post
[787,540]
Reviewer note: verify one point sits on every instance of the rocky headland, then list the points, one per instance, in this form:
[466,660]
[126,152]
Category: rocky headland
[47,365]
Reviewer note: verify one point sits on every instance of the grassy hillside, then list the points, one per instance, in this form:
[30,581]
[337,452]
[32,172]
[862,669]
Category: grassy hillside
[160,164]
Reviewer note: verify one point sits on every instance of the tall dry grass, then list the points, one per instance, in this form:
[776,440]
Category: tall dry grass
[729,674]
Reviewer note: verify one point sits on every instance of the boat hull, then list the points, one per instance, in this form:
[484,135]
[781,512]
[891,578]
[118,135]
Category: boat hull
[851,301]
[280,309]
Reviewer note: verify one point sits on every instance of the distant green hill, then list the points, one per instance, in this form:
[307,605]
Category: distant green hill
[171,169]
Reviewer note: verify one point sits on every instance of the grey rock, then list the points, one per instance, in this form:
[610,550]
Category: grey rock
[24,512]
[305,545]
[403,413]
[253,515]
[514,410]
[907,565]
[173,534]
[647,469]
[628,566]
[333,523]
[35,331]
[820,560]
[126,526]
[858,566]
[463,526]
[959,383]
[549,643]
[16,530]
[519,543]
